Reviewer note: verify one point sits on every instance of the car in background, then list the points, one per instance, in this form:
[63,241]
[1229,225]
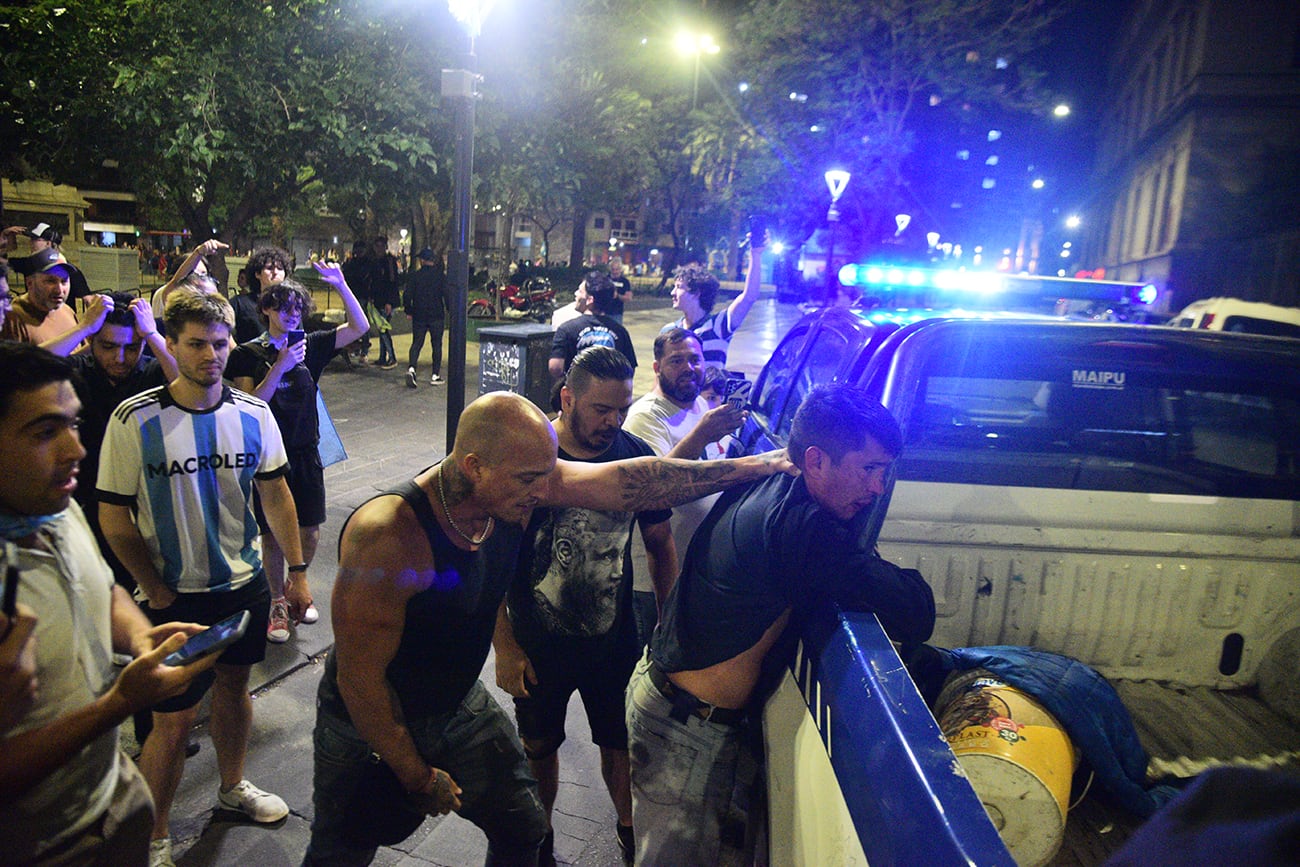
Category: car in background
[1124,495]
[1233,314]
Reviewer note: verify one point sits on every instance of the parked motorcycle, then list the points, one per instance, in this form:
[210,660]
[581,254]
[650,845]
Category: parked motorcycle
[535,300]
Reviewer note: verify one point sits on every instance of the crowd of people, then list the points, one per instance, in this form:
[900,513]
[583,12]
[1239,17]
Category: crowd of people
[157,448]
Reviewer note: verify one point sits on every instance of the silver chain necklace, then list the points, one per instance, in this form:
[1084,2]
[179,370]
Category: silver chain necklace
[442,498]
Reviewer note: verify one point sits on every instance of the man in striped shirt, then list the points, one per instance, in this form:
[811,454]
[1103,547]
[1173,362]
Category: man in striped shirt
[186,457]
[694,292]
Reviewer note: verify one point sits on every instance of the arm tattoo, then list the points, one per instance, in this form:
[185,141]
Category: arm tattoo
[665,483]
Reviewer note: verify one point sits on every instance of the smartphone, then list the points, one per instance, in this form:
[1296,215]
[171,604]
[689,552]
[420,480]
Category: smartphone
[297,335]
[757,230]
[215,638]
[737,392]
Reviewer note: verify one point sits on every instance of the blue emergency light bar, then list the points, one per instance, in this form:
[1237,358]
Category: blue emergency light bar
[986,284]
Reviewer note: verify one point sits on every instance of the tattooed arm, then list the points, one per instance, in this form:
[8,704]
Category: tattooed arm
[654,483]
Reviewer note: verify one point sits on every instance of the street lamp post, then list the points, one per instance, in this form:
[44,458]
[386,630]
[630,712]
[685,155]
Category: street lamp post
[694,45]
[458,89]
[836,181]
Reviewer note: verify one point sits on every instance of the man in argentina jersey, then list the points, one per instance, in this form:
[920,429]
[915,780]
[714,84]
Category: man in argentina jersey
[186,457]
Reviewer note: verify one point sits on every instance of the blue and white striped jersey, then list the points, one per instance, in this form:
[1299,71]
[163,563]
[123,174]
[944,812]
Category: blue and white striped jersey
[190,475]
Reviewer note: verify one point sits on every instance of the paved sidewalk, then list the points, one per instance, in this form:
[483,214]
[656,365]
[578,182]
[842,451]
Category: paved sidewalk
[391,432]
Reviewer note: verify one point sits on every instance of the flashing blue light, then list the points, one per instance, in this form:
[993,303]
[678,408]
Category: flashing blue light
[875,275]
[915,278]
[848,275]
[1147,294]
[894,276]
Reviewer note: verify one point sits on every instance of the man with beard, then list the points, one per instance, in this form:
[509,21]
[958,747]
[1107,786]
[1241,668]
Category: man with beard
[43,314]
[566,623]
[676,422]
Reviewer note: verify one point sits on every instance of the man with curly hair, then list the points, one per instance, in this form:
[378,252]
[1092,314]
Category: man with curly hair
[694,292]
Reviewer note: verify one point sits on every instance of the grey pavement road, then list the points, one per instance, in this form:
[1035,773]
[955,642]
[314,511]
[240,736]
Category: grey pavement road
[391,432]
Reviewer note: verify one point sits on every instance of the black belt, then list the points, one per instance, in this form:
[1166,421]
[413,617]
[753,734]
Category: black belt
[685,704]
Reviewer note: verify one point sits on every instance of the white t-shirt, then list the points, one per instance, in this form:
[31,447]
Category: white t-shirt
[663,424]
[73,665]
[190,474]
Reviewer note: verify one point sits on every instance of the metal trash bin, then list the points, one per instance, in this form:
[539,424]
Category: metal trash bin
[514,358]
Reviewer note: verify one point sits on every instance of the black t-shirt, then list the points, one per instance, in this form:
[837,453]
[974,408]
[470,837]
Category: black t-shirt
[99,397]
[248,318]
[356,273]
[575,566]
[294,401]
[622,286]
[591,329]
[767,547]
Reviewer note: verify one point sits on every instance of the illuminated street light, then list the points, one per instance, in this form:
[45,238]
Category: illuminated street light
[689,44]
[458,91]
[1038,183]
[836,181]
[1073,221]
[1061,110]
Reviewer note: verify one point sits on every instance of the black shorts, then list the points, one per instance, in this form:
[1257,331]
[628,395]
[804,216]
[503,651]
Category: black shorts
[598,669]
[307,484]
[208,608]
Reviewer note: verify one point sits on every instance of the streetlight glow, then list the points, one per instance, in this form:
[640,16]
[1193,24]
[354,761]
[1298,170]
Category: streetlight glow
[1073,221]
[689,44]
[1061,110]
[470,14]
[1038,183]
[836,181]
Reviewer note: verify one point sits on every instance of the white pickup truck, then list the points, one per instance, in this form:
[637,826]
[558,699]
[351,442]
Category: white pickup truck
[1128,496]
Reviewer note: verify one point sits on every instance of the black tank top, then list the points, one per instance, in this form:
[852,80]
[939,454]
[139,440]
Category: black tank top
[448,627]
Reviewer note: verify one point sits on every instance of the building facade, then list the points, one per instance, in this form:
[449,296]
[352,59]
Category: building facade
[1198,167]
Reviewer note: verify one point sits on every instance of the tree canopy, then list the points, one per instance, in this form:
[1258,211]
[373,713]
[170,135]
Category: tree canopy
[225,112]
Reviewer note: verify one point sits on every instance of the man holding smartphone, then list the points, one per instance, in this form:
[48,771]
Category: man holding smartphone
[283,367]
[67,792]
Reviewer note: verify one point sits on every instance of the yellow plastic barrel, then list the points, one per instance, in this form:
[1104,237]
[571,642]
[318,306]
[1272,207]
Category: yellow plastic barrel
[1017,757]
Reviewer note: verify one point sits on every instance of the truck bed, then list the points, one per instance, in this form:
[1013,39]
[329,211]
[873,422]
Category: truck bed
[1185,730]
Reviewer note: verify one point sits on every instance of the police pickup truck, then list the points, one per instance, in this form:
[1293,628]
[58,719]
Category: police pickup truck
[1128,496]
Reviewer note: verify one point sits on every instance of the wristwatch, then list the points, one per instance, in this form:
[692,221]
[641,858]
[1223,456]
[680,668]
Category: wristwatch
[298,567]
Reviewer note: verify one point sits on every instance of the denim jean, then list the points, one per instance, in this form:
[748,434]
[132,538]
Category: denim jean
[476,745]
[683,779]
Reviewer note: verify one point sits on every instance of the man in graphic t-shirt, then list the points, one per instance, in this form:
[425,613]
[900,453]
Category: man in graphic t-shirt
[567,621]
[593,328]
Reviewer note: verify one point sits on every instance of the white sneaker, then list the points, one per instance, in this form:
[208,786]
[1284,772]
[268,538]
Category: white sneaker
[277,627]
[160,853]
[253,802]
[410,377]
[311,615]
[435,380]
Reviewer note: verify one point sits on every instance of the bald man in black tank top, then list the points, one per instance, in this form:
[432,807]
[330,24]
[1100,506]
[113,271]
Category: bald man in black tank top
[422,571]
